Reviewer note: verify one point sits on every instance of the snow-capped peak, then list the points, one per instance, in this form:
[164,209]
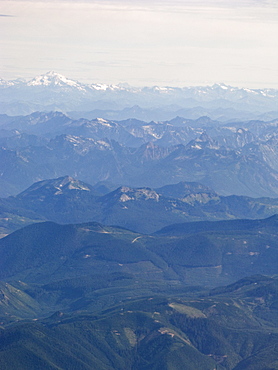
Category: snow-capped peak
[54,79]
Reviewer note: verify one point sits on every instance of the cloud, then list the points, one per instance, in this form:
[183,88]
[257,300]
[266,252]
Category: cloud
[143,40]
[148,3]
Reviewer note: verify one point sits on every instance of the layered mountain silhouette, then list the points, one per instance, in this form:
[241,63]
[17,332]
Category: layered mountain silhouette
[67,200]
[52,91]
[130,242]
[238,158]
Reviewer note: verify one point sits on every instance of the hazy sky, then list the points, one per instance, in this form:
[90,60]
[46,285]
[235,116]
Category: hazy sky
[176,43]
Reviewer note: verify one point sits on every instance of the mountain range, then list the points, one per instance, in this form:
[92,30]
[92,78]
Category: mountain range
[138,226]
[238,158]
[67,200]
[53,91]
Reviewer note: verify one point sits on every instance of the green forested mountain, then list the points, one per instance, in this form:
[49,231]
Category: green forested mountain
[194,253]
[231,328]
[89,296]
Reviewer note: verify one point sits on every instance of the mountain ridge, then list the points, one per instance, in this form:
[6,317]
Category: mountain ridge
[57,79]
[143,209]
[192,253]
[66,94]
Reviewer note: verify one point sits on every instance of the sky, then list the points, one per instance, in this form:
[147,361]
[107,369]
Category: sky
[143,43]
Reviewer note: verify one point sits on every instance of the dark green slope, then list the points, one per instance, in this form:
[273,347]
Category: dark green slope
[205,253]
[38,246]
[264,359]
[211,331]
[232,249]
[259,291]
[269,224]
[48,251]
[16,304]
[123,302]
[132,340]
